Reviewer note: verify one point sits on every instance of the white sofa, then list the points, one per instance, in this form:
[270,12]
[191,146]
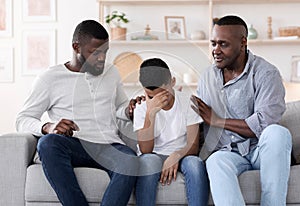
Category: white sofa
[22,182]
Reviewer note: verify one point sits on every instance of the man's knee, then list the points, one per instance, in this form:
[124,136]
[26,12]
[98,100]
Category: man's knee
[48,144]
[277,136]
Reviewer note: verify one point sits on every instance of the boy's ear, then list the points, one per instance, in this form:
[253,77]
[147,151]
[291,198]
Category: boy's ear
[173,81]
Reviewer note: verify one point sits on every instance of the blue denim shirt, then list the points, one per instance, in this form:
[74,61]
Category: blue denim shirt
[256,95]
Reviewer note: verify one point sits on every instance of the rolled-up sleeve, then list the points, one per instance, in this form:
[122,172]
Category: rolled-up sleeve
[269,101]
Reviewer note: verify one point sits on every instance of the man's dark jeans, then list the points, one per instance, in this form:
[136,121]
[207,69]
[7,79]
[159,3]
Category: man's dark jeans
[60,154]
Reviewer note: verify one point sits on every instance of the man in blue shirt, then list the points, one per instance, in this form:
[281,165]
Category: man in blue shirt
[241,100]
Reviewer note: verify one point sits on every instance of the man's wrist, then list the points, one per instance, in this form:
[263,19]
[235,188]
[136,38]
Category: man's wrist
[45,128]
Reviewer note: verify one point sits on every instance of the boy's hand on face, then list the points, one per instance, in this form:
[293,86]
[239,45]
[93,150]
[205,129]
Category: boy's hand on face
[157,102]
[169,170]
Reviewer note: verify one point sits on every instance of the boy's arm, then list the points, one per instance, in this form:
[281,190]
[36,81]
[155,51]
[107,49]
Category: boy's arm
[146,134]
[170,166]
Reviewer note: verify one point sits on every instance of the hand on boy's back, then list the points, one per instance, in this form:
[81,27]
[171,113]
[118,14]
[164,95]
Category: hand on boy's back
[131,106]
[157,102]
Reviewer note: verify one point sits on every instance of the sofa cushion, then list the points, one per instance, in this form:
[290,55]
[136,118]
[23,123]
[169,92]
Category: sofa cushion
[291,120]
[93,183]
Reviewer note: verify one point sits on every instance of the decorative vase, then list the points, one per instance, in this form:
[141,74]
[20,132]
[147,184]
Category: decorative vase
[118,33]
[252,33]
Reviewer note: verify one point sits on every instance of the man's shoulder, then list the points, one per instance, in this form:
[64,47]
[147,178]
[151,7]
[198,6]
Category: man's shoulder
[261,65]
[52,71]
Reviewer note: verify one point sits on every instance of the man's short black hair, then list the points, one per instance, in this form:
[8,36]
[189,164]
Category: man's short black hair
[89,29]
[154,73]
[232,20]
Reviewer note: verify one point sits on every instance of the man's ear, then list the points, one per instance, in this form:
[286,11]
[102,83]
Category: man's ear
[244,41]
[76,47]
[173,81]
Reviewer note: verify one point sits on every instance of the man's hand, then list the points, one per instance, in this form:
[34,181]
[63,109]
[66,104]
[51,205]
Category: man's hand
[206,112]
[129,109]
[63,127]
[170,168]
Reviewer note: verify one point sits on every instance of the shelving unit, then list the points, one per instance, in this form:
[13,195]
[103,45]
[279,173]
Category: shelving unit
[213,8]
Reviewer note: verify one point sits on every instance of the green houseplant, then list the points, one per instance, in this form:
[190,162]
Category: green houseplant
[115,20]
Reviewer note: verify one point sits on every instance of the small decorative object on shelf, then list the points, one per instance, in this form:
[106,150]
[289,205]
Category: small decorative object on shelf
[295,76]
[115,19]
[270,31]
[289,31]
[146,36]
[198,35]
[252,33]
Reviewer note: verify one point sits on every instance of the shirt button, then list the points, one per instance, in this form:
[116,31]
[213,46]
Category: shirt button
[232,137]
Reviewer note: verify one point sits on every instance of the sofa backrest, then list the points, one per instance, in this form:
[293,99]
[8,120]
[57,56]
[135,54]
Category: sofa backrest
[291,120]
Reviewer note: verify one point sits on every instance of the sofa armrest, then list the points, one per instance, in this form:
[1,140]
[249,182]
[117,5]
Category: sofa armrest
[17,150]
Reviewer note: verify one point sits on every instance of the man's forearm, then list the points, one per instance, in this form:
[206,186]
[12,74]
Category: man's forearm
[238,126]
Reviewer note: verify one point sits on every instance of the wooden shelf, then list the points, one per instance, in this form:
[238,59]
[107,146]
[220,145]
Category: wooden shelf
[152,2]
[273,42]
[200,42]
[253,1]
[169,2]
[161,42]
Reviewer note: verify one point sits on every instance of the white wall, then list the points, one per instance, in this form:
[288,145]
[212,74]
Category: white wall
[70,13]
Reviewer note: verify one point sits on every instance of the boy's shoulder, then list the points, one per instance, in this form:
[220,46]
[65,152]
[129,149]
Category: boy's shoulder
[182,97]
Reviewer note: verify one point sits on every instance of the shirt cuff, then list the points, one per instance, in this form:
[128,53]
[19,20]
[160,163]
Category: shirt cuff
[254,125]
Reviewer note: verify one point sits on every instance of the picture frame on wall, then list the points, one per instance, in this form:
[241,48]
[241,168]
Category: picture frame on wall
[5,18]
[39,10]
[295,75]
[39,51]
[175,27]
[6,64]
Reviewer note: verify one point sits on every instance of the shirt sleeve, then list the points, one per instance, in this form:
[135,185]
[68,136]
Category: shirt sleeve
[192,116]
[29,118]
[139,116]
[269,102]
[122,101]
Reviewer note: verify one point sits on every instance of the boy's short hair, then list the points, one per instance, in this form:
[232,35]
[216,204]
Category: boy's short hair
[154,73]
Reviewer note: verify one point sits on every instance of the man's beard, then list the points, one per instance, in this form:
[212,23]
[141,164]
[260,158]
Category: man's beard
[87,67]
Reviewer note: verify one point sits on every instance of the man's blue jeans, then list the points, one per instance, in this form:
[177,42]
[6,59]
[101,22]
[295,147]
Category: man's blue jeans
[193,170]
[60,154]
[271,157]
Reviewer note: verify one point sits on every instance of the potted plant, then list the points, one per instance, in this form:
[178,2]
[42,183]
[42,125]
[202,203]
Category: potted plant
[115,20]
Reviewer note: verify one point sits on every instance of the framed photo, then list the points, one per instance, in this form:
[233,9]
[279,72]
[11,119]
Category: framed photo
[175,27]
[39,49]
[295,77]
[5,18]
[6,64]
[39,10]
